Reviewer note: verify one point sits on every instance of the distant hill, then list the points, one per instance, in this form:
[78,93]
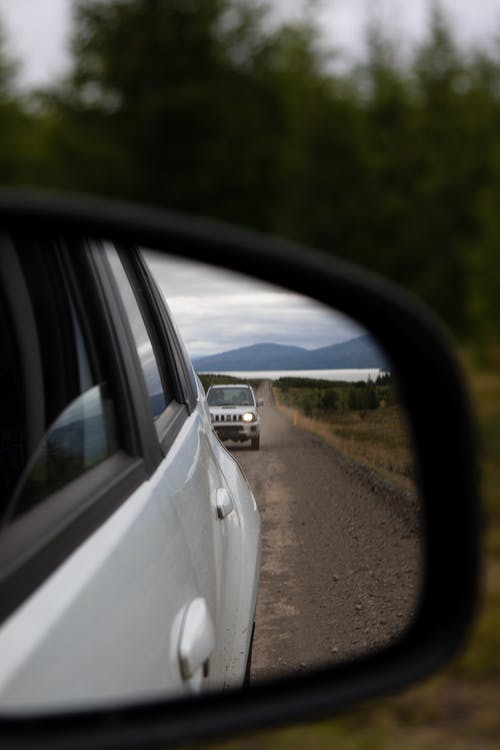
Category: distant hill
[359,353]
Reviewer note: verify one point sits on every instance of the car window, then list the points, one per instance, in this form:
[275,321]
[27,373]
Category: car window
[229,396]
[245,397]
[79,417]
[82,437]
[157,392]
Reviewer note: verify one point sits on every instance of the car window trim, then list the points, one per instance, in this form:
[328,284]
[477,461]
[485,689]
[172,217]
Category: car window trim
[161,345]
[164,344]
[20,310]
[185,380]
[136,396]
[169,424]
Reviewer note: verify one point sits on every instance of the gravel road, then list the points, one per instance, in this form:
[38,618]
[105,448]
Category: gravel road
[341,556]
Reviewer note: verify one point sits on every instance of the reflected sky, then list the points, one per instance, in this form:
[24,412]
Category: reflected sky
[218,311]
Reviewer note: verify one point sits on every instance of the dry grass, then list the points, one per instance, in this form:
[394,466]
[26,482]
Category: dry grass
[378,439]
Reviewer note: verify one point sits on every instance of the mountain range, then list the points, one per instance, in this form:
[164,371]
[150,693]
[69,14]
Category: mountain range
[358,353]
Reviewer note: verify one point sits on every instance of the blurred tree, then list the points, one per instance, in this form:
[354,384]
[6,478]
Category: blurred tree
[320,169]
[166,104]
[444,180]
[15,123]
[209,107]
[482,252]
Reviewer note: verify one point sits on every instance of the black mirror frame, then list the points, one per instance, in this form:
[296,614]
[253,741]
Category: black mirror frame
[446,455]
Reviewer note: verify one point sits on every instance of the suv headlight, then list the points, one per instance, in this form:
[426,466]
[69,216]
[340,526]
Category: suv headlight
[248,417]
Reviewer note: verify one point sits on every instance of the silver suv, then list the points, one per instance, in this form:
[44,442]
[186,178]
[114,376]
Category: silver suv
[234,415]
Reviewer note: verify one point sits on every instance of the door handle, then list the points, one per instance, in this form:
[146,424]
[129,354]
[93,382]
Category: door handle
[224,503]
[197,640]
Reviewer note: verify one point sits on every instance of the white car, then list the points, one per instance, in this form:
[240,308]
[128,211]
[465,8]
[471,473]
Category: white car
[233,410]
[130,540]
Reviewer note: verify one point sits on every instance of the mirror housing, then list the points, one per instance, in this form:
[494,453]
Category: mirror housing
[444,437]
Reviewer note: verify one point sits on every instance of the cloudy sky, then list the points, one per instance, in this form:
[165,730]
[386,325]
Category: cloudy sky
[38,29]
[217,311]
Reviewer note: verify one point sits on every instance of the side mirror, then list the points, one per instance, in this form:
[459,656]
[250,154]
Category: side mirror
[260,402]
[128,524]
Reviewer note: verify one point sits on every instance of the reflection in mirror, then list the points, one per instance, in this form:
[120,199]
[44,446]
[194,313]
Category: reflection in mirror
[164,508]
[334,476]
[82,437]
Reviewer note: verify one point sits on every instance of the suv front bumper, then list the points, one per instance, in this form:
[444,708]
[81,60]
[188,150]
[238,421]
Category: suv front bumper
[236,431]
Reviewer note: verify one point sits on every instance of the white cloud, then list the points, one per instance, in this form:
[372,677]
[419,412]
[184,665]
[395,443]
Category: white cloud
[217,310]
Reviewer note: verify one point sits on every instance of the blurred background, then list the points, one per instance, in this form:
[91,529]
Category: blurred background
[371,131]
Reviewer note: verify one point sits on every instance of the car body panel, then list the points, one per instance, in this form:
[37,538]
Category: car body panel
[243,566]
[163,573]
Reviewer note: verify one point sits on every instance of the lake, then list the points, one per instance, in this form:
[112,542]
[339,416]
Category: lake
[351,376]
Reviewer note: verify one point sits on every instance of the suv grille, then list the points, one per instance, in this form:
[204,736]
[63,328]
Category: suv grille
[227,417]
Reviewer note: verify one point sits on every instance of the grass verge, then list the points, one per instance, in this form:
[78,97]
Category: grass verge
[378,439]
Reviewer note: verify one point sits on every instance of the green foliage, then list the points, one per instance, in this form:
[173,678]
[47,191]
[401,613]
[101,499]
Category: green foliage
[363,398]
[298,382]
[179,118]
[315,398]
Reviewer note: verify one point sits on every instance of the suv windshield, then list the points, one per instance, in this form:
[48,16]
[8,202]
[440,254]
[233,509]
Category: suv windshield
[230,397]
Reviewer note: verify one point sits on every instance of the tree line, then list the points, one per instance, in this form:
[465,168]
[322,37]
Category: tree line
[317,398]
[206,106]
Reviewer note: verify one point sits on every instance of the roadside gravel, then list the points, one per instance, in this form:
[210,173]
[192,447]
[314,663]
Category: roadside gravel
[341,556]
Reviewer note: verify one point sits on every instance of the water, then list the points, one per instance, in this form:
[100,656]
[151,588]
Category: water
[350,376]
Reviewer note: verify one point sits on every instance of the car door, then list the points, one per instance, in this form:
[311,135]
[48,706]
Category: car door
[199,493]
[111,524]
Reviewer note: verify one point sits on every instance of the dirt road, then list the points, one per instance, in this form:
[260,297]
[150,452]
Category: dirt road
[340,555]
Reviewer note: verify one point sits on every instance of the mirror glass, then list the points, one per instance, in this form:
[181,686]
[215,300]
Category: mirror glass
[334,477]
[280,528]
